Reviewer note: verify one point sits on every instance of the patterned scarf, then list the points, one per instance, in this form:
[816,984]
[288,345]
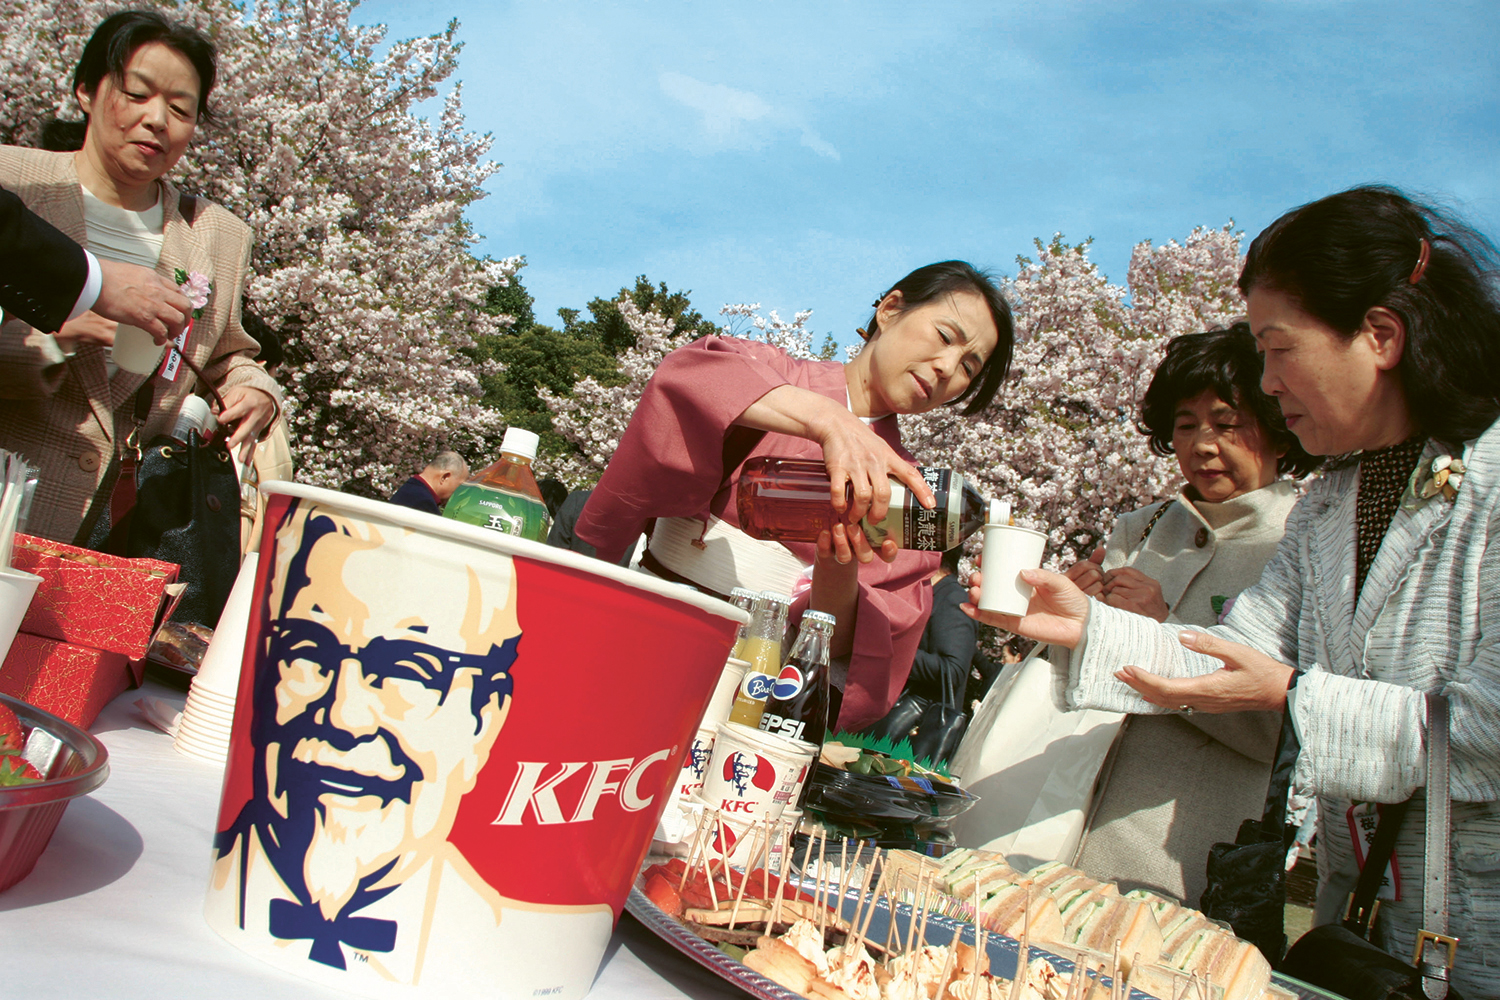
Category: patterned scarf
[1383,476]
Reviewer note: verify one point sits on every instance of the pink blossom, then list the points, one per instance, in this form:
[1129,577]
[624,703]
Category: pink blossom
[196,288]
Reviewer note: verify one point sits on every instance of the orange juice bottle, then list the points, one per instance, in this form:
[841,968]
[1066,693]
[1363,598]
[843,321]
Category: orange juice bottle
[762,649]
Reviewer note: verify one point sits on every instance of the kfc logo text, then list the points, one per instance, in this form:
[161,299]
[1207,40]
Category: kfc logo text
[537,784]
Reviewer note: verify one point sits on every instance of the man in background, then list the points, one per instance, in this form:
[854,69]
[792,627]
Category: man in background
[429,489]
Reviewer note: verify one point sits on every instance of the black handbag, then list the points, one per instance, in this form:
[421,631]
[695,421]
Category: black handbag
[1339,957]
[1246,885]
[178,502]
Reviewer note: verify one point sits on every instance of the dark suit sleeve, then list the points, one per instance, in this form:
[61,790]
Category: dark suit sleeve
[42,271]
[940,669]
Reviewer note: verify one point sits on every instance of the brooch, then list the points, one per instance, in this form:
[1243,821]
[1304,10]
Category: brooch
[1444,474]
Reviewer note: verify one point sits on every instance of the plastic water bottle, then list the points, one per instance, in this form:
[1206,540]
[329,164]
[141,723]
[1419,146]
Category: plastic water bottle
[504,496]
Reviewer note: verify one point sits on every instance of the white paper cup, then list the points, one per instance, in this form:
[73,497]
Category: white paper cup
[17,588]
[754,774]
[135,350]
[208,716]
[729,682]
[1008,549]
[695,764]
[220,670]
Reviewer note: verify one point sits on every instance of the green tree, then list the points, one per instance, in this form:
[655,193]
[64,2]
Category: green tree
[537,355]
[608,328]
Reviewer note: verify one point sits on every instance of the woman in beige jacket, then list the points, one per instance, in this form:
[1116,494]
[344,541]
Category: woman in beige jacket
[1174,785]
[142,83]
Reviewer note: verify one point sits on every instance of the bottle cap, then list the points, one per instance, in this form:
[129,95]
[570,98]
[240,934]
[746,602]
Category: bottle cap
[194,416]
[774,597]
[818,618]
[520,441]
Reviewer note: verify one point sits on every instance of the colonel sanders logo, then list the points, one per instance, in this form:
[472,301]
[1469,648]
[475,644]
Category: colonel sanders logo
[744,769]
[375,707]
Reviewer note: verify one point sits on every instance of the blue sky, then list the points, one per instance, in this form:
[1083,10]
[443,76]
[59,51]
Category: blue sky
[806,155]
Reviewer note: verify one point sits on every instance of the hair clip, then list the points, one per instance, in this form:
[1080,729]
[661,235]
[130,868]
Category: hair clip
[862,334]
[1421,268]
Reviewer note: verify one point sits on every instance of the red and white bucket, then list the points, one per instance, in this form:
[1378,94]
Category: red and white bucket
[450,750]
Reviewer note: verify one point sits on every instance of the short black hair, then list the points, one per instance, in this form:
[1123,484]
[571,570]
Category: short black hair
[109,50]
[1227,362]
[272,355]
[927,283]
[1346,254]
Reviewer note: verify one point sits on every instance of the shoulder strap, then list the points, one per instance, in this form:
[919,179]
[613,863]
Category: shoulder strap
[1436,962]
[1156,517]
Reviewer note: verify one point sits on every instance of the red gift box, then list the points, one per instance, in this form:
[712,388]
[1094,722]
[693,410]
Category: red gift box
[93,599]
[73,682]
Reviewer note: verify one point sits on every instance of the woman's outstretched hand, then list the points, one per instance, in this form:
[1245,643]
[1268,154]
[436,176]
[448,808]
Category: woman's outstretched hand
[1249,680]
[1059,610]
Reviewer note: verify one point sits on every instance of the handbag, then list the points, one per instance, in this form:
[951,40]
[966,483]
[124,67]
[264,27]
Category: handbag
[1339,957]
[1246,884]
[176,501]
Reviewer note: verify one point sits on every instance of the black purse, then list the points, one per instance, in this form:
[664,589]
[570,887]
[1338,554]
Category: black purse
[178,502]
[1339,957]
[1246,885]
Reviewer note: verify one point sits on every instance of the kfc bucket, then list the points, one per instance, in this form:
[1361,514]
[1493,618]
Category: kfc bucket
[450,751]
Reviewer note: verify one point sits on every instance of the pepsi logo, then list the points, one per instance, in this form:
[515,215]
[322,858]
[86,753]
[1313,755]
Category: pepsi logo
[788,683]
[743,770]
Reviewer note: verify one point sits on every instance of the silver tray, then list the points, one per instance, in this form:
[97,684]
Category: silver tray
[940,930]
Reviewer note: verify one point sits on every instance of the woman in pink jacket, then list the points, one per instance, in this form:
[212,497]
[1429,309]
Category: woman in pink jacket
[943,334]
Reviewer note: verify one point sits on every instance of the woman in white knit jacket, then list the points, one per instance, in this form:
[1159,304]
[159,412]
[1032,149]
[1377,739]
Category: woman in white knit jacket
[1175,785]
[1380,328]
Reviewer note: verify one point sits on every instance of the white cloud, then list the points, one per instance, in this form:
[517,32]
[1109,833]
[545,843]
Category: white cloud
[733,117]
[723,108]
[818,144]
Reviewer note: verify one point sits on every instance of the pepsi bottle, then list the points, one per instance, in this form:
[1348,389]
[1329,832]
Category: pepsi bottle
[798,705]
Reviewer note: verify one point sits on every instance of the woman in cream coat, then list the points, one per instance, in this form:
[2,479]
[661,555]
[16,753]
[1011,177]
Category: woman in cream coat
[63,404]
[1380,326]
[1175,785]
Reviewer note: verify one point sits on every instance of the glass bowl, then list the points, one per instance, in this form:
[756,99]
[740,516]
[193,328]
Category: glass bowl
[72,763]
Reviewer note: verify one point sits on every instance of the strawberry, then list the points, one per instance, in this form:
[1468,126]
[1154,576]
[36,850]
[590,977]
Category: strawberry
[14,770]
[11,736]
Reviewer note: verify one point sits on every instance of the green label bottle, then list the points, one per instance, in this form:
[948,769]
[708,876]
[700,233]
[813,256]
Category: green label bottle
[504,496]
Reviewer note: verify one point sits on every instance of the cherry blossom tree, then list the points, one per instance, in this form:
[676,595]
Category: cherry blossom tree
[362,259]
[594,415]
[1060,439]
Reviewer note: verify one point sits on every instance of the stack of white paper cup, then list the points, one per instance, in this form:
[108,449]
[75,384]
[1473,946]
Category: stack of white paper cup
[17,588]
[723,700]
[204,729]
[695,764]
[753,775]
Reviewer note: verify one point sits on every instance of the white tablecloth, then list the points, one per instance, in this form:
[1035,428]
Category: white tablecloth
[114,905]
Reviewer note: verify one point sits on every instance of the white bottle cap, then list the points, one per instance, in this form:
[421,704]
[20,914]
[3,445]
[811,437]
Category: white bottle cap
[520,441]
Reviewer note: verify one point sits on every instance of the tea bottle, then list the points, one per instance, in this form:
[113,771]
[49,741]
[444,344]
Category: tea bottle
[504,496]
[787,500]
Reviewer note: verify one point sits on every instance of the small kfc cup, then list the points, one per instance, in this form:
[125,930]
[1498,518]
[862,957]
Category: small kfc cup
[752,774]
